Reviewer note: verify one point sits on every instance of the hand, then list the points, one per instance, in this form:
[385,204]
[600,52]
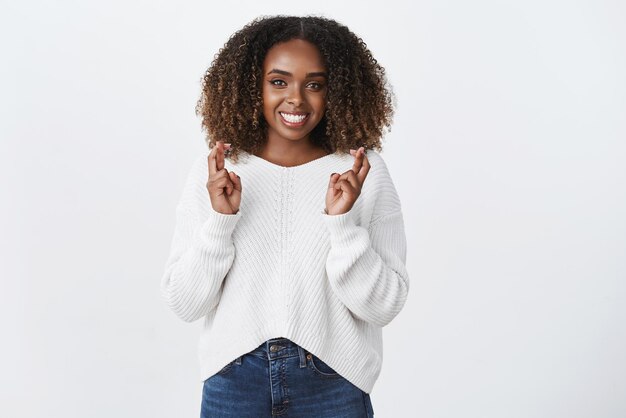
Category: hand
[344,189]
[224,188]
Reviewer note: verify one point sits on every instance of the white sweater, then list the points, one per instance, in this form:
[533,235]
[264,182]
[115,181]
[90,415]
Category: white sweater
[281,267]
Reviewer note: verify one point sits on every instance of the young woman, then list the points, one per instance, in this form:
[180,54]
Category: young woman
[289,238]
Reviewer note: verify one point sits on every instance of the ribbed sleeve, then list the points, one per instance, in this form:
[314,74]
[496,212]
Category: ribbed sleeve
[366,266]
[367,269]
[201,253]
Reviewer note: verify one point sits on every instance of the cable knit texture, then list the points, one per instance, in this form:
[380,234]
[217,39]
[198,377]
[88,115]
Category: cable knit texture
[281,267]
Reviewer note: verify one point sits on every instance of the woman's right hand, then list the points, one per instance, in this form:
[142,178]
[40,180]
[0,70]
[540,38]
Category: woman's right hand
[224,188]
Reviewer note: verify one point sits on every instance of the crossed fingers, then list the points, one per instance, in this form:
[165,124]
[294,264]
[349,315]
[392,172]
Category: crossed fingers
[360,168]
[216,157]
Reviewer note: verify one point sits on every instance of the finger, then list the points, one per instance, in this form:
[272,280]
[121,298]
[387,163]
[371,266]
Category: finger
[213,158]
[345,187]
[333,179]
[228,184]
[358,160]
[229,188]
[212,162]
[236,180]
[365,168]
[351,178]
[220,181]
[219,158]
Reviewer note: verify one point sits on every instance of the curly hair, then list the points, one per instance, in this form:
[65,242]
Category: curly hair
[359,100]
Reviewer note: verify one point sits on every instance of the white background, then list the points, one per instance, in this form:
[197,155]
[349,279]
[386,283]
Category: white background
[507,151]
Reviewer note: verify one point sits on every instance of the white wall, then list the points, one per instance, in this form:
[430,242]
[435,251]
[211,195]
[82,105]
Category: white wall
[507,150]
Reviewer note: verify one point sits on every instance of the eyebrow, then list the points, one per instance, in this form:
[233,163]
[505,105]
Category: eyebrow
[283,72]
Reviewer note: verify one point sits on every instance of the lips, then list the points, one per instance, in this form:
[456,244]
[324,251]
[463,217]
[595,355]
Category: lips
[292,123]
[294,113]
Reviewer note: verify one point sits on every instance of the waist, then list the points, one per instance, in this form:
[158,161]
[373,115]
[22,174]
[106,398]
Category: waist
[277,348]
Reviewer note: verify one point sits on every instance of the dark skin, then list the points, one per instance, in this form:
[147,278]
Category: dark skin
[302,91]
[294,81]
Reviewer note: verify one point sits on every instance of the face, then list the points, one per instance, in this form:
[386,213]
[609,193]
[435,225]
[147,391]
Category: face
[294,90]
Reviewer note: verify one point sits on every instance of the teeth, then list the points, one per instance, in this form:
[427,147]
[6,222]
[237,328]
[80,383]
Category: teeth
[293,118]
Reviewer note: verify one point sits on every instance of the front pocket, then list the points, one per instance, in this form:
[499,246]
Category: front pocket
[321,368]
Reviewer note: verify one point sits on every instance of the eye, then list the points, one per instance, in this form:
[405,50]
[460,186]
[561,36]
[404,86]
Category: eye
[317,85]
[273,81]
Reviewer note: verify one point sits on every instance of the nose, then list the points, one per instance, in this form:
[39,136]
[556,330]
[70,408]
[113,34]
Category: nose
[295,97]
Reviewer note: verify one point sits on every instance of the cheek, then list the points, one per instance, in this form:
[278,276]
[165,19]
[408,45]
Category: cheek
[267,101]
[270,98]
[320,105]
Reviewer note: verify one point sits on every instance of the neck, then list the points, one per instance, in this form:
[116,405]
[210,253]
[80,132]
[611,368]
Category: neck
[290,153]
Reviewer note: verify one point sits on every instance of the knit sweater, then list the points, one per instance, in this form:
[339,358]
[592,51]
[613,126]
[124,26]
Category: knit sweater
[282,267]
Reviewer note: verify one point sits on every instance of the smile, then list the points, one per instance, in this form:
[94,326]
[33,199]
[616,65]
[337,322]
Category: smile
[292,120]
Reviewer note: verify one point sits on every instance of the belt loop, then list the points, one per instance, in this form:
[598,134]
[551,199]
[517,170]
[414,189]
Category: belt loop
[302,357]
[238,360]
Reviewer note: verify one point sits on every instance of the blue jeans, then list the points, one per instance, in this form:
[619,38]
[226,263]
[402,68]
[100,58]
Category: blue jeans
[280,378]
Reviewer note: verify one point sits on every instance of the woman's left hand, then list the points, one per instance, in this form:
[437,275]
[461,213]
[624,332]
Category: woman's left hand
[344,189]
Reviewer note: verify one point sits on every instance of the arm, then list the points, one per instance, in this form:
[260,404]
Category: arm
[202,250]
[366,266]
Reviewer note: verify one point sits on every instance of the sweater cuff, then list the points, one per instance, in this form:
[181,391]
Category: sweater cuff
[219,225]
[341,227]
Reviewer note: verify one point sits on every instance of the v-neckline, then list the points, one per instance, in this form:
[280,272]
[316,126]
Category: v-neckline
[303,165]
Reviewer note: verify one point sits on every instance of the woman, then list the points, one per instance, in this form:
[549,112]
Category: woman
[289,238]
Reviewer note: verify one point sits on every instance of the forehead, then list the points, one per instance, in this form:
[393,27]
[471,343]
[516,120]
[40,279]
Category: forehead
[294,54]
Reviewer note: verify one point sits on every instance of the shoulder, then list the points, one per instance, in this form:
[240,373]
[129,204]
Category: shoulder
[200,162]
[380,185]
[378,167]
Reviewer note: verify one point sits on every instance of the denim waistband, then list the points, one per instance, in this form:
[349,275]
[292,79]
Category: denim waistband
[276,348]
